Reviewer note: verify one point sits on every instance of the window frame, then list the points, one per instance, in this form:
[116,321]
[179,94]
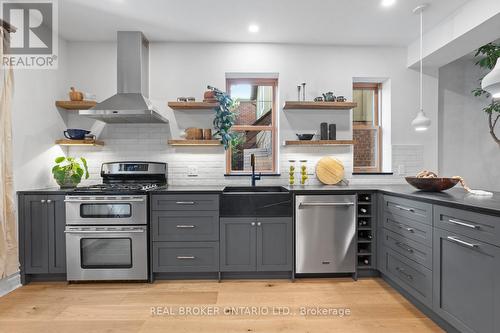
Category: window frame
[377,87]
[247,128]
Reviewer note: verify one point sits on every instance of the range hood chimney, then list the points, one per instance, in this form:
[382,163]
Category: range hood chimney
[131,103]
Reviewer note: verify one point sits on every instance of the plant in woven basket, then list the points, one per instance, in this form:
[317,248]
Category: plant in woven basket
[487,56]
[68,171]
[225,117]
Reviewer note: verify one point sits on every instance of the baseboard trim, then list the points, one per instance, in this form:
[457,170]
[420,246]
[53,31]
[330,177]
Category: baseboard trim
[10,283]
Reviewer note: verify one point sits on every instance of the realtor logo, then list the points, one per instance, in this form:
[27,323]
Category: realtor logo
[34,43]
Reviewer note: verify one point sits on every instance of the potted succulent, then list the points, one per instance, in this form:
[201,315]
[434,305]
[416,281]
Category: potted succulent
[68,171]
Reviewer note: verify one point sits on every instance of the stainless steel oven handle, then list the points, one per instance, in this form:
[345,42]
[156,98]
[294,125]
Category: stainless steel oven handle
[325,204]
[137,231]
[105,200]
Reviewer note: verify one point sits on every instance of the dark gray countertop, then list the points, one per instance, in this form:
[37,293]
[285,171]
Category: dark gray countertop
[47,190]
[183,189]
[169,189]
[456,197]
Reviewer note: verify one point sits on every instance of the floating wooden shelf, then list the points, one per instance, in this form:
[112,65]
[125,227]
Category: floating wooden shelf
[68,142]
[318,142]
[194,142]
[192,105]
[76,105]
[299,105]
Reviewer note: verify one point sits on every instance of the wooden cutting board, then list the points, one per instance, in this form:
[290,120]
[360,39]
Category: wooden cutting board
[330,170]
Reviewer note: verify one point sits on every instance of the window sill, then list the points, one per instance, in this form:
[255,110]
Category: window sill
[372,173]
[249,174]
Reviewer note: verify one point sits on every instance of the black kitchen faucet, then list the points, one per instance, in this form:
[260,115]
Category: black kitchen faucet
[254,176]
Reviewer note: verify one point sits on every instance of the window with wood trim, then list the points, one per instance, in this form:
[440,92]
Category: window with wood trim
[367,132]
[255,125]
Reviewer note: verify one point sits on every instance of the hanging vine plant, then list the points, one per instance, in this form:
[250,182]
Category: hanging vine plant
[487,56]
[225,117]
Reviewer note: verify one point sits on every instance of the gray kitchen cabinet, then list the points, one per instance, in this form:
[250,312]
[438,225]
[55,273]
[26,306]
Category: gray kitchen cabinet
[409,275]
[238,244]
[410,209]
[185,226]
[466,282]
[184,233]
[189,202]
[256,244]
[483,227]
[408,228]
[274,244]
[35,254]
[41,228]
[186,256]
[56,217]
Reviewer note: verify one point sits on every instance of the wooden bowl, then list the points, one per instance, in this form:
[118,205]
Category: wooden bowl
[432,184]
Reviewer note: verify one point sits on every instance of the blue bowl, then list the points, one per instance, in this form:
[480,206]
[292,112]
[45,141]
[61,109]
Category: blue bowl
[75,133]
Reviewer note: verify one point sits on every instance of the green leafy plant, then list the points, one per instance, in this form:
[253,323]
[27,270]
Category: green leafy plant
[68,171]
[486,58]
[225,117]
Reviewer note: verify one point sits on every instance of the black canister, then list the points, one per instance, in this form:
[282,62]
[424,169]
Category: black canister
[323,131]
[332,132]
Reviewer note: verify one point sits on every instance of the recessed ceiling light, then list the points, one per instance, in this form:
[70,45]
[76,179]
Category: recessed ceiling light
[253,28]
[388,3]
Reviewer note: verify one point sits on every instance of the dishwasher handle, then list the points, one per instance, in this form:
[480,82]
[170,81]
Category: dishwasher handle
[325,204]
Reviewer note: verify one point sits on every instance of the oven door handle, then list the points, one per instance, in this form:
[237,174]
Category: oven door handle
[105,200]
[136,231]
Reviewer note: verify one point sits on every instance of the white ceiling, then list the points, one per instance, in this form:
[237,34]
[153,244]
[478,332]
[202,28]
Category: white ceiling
[344,22]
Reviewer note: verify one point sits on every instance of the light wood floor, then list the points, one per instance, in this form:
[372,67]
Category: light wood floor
[126,307]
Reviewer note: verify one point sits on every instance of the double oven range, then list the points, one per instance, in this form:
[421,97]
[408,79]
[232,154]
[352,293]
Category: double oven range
[107,224]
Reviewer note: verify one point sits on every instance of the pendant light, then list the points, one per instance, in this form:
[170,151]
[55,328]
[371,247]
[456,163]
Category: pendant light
[491,82]
[421,122]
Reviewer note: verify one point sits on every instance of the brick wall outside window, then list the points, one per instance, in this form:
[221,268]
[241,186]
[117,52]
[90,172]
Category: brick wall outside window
[365,142]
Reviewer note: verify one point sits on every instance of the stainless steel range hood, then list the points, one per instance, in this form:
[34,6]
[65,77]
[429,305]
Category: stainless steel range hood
[130,104]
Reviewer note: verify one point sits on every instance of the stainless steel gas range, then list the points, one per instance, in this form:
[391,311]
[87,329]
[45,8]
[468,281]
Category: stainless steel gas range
[106,224]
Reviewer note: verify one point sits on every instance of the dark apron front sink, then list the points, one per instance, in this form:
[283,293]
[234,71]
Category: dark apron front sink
[258,201]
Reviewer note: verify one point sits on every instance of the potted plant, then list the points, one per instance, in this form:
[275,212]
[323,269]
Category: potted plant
[487,56]
[225,117]
[68,171]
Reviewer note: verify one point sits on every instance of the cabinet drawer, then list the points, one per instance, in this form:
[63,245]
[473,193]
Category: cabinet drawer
[466,282]
[407,228]
[415,210]
[412,277]
[185,226]
[188,202]
[185,257]
[408,248]
[478,226]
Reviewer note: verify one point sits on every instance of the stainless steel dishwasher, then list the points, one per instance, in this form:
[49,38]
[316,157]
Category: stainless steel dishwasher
[325,233]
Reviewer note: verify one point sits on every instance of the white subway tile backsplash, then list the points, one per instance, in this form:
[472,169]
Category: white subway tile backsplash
[149,142]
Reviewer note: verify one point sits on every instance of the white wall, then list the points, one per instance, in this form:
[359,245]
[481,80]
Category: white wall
[184,69]
[36,122]
[465,145]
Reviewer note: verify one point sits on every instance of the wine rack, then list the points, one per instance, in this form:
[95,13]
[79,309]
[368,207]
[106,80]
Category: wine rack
[365,230]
